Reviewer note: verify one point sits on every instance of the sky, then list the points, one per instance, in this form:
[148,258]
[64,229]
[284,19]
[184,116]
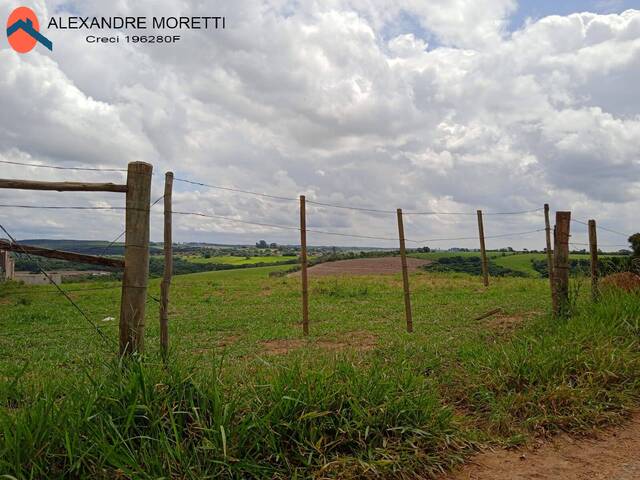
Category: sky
[440,106]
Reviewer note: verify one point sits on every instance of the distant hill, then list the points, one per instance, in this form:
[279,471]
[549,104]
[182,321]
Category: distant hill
[87,247]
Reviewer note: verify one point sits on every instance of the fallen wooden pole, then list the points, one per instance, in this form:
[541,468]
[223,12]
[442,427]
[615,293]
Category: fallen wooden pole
[61,255]
[168,267]
[304,265]
[488,314]
[63,186]
[405,273]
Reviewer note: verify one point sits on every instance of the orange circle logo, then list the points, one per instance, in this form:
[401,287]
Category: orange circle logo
[22,29]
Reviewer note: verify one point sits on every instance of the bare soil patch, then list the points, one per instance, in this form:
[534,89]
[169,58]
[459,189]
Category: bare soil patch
[611,455]
[281,346]
[504,324]
[364,266]
[361,341]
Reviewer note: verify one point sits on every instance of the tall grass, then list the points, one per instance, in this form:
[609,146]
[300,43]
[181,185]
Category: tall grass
[400,413]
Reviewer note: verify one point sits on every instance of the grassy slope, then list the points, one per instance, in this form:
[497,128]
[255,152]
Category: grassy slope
[519,261]
[412,405]
[231,260]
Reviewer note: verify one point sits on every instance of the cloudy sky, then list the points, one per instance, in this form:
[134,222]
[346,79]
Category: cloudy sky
[439,105]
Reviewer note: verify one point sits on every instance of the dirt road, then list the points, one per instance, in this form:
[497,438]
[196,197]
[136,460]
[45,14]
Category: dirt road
[612,455]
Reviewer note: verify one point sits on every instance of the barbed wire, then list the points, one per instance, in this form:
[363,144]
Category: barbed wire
[600,244]
[282,227]
[30,333]
[344,207]
[487,237]
[600,227]
[283,198]
[63,207]
[43,292]
[58,167]
[237,190]
[75,305]
[123,233]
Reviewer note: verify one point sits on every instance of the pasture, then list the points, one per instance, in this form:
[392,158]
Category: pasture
[245,395]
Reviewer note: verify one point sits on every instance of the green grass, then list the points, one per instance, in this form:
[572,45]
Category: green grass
[520,262]
[232,260]
[245,396]
[437,255]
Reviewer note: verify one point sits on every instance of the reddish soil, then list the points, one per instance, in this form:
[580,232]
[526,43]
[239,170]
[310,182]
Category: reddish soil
[612,454]
[627,281]
[360,341]
[365,266]
[504,324]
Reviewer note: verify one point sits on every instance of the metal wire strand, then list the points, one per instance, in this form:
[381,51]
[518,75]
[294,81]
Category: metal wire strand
[75,305]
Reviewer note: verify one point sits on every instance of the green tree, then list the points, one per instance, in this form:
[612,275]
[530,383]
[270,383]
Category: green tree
[634,240]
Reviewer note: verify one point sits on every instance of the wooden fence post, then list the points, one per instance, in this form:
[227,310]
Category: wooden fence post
[7,265]
[547,225]
[11,267]
[168,266]
[593,250]
[136,258]
[304,265]
[405,274]
[483,251]
[561,263]
[4,275]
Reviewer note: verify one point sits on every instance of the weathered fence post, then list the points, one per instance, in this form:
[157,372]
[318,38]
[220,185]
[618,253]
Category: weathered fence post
[405,273]
[9,265]
[593,250]
[168,267]
[304,265]
[561,263]
[136,258]
[3,265]
[547,225]
[483,251]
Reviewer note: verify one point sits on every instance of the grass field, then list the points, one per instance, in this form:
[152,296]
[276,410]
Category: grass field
[515,261]
[231,260]
[245,396]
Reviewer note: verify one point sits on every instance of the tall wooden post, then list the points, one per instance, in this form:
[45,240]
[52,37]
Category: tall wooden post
[405,274]
[304,265]
[3,265]
[11,267]
[168,266]
[483,251]
[136,258]
[593,250]
[7,266]
[561,263]
[547,225]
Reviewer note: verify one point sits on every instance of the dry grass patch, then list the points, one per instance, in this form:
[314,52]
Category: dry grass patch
[626,281]
[360,341]
[505,324]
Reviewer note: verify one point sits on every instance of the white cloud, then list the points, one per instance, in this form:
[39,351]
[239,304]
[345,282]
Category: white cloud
[312,98]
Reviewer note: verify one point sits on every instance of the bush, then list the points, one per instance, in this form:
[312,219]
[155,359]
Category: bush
[470,265]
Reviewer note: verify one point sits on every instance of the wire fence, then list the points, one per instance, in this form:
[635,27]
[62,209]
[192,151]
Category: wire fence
[527,213]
